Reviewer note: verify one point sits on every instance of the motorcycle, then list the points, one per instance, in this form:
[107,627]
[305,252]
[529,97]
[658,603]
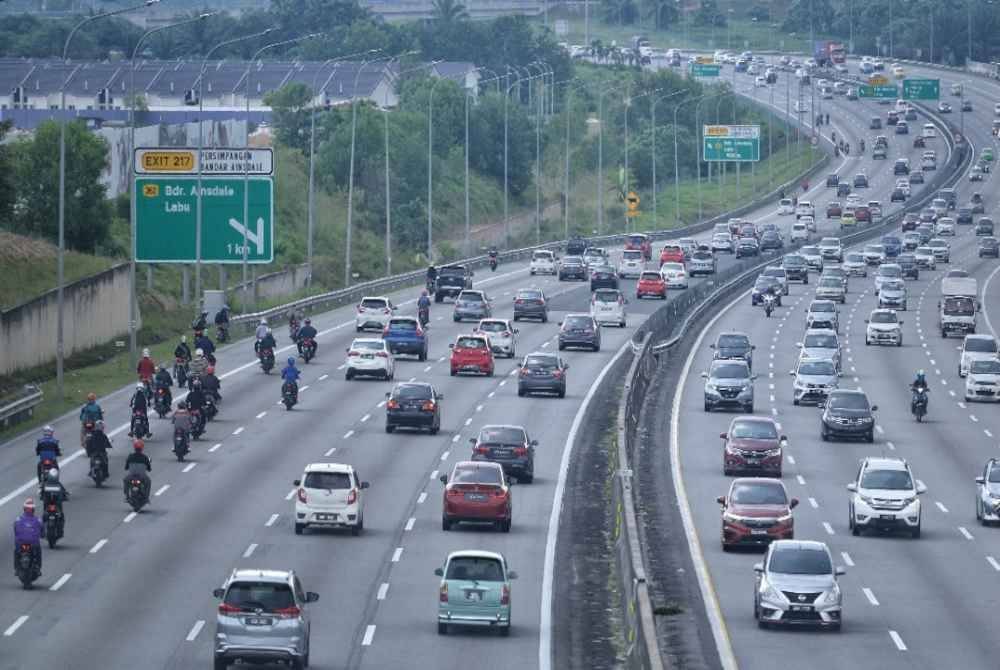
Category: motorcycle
[210,409]
[53,520]
[98,467]
[424,316]
[27,566]
[431,284]
[308,349]
[44,466]
[293,330]
[199,423]
[147,389]
[162,403]
[918,405]
[266,357]
[136,494]
[140,425]
[222,332]
[88,428]
[180,371]
[493,262]
[180,445]
[289,394]
[769,302]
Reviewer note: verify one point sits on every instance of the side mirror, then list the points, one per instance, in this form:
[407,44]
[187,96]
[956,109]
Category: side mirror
[753,377]
[980,480]
[366,485]
[721,500]
[219,593]
[560,324]
[783,438]
[311,596]
[511,574]
[565,366]
[793,503]
[348,350]
[852,487]
[724,436]
[866,320]
[297,482]
[439,572]
[516,331]
[840,374]
[874,408]
[901,322]
[704,375]
[753,346]
[534,443]
[451,346]
[444,479]
[839,571]
[439,396]
[921,489]
[798,344]
[758,568]
[472,440]
[388,394]
[711,346]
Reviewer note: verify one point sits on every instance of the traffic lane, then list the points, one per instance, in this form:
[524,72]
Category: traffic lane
[406,628]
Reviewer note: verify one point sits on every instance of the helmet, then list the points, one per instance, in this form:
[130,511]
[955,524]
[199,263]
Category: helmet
[91,397]
[47,431]
[52,475]
[291,360]
[138,445]
[196,383]
[29,506]
[182,405]
[184,338]
[424,293]
[263,322]
[163,366]
[308,321]
[210,370]
[920,374]
[199,352]
[99,425]
[139,386]
[145,353]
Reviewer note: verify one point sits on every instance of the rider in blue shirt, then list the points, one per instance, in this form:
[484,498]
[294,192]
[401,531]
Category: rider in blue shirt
[290,375]
[47,447]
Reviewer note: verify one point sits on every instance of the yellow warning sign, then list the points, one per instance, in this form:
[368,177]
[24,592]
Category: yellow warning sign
[633,200]
[151,190]
[877,80]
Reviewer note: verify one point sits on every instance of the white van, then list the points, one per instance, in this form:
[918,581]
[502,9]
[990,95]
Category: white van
[929,131]
[800,233]
[785,206]
[543,262]
[607,306]
[804,208]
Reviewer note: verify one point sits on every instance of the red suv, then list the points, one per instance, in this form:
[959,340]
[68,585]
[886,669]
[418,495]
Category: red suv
[476,492]
[752,444]
[756,511]
[833,209]
[672,253]
[471,353]
[640,242]
[651,283]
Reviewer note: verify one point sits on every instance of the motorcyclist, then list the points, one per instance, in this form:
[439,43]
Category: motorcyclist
[262,330]
[164,381]
[196,401]
[207,347]
[99,443]
[183,420]
[833,136]
[28,530]
[47,447]
[424,305]
[290,375]
[307,330]
[294,319]
[918,386]
[211,385]
[200,322]
[862,146]
[197,367]
[140,405]
[781,193]
[432,275]
[222,318]
[52,489]
[182,350]
[146,368]
[137,464]
[805,185]
[266,341]
[89,412]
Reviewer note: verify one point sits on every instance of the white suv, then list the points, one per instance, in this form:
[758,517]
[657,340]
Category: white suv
[885,497]
[632,263]
[884,327]
[607,306]
[369,356]
[543,262]
[330,495]
[976,348]
[373,312]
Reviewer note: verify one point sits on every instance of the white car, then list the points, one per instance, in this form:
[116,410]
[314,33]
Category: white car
[369,357]
[945,227]
[853,200]
[982,382]
[674,274]
[976,348]
[924,257]
[884,327]
[809,221]
[874,254]
[330,495]
[689,245]
[502,336]
[929,132]
[607,306]
[941,249]
[373,313]
[543,262]
[887,272]
[800,233]
[760,82]
[723,242]
[885,497]
[785,206]
[854,264]
[805,208]
[996,109]
[632,263]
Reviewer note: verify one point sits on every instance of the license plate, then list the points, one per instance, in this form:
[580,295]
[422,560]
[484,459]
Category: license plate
[477,497]
[326,517]
[887,517]
[369,356]
[258,621]
[801,608]
[473,595]
[758,531]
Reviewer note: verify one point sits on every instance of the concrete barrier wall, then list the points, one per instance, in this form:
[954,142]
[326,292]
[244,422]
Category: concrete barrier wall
[277,284]
[95,312]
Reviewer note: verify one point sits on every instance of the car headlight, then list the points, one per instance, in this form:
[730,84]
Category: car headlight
[909,501]
[865,499]
[772,594]
[710,387]
[785,517]
[732,518]
[773,452]
[830,597]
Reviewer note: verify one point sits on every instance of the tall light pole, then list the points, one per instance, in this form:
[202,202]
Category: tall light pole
[430,169]
[468,208]
[246,156]
[600,158]
[201,142]
[628,105]
[506,149]
[653,120]
[133,315]
[60,261]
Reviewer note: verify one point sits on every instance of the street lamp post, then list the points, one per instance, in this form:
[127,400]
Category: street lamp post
[600,158]
[468,208]
[628,105]
[430,169]
[506,132]
[60,260]
[653,119]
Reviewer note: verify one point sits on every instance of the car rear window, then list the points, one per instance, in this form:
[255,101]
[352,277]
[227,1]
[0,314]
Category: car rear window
[606,295]
[758,494]
[632,255]
[729,371]
[672,249]
[822,306]
[572,260]
[733,342]
[477,475]
[474,568]
[542,256]
[327,480]
[413,392]
[653,276]
[470,296]
[541,362]
[402,324]
[374,303]
[578,322]
[368,345]
[800,561]
[820,341]
[502,435]
[525,294]
[470,343]
[493,326]
[265,596]
[452,270]
[824,368]
[754,430]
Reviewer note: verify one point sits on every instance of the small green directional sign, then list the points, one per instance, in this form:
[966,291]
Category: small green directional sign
[869,91]
[921,89]
[705,70]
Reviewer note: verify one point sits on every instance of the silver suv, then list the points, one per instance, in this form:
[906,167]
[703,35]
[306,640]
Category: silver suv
[729,383]
[797,585]
[262,618]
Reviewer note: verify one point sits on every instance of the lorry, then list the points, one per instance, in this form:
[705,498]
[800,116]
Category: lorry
[828,54]
[958,306]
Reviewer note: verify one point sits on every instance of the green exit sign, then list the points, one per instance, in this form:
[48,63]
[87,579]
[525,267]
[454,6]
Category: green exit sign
[868,91]
[921,89]
[703,70]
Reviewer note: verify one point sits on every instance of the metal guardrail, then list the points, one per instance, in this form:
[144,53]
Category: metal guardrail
[21,408]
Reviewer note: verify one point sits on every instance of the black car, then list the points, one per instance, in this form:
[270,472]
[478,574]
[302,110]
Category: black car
[530,303]
[770,239]
[542,373]
[984,227]
[910,220]
[916,178]
[572,267]
[967,105]
[911,114]
[747,246]
[860,181]
[908,262]
[832,180]
[963,216]
[989,246]
[580,330]
[847,413]
[576,245]
[843,189]
[603,277]
[796,268]
[902,128]
[413,405]
[729,346]
[901,166]
[898,195]
[452,280]
[510,447]
[925,232]
[950,197]
[762,287]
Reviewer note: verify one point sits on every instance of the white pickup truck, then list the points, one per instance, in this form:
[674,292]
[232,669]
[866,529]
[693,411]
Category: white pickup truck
[958,306]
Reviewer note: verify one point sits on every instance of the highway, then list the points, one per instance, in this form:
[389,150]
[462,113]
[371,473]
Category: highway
[924,603]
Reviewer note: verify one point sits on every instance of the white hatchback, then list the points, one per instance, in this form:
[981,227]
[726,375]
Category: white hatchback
[607,306]
[543,262]
[502,336]
[373,312]
[369,357]
[800,233]
[632,263]
[674,275]
[976,347]
[785,206]
[330,495]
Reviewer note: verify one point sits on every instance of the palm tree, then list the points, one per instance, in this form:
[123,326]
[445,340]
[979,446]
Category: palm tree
[450,11]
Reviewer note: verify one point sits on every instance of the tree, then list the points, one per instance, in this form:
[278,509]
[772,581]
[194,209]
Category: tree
[708,14]
[36,176]
[662,12]
[7,190]
[805,14]
[450,11]
[290,113]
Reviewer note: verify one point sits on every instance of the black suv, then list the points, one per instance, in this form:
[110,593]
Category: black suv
[452,280]
[510,447]
[908,262]
[989,246]
[964,216]
[576,246]
[984,226]
[730,346]
[572,267]
[901,166]
[832,180]
[413,405]
[860,181]
[847,413]
[796,268]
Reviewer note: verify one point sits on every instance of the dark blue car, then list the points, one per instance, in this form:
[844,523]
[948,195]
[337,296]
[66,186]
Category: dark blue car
[893,245]
[404,335]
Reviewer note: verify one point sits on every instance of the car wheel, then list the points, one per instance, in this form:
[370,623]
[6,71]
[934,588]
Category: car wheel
[356,530]
[867,342]
[489,373]
[526,479]
[453,373]
[357,329]
[349,375]
[299,527]
[442,628]
[221,664]
[455,319]
[434,430]
[795,401]
[445,523]
[389,428]
[562,392]
[520,393]
[505,631]
[870,437]
[915,533]
[708,408]
[597,347]
[621,324]
[899,342]
[979,513]
[505,526]
[422,356]
[823,435]
[561,346]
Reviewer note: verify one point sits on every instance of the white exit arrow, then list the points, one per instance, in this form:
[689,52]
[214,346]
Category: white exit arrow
[257,238]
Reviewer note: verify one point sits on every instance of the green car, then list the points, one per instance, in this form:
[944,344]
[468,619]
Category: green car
[475,591]
[986,154]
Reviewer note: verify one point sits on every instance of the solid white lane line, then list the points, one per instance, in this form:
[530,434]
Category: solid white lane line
[129,517]
[14,626]
[322,377]
[365,417]
[993,562]
[291,494]
[940,506]
[898,641]
[369,635]
[468,422]
[434,474]
[813,503]
[60,582]
[422,497]
[270,521]
[161,490]
[262,414]
[445,455]
[396,554]
[97,547]
[965,533]
[304,388]
[848,561]
[800,480]
[828,528]
[329,452]
[239,430]
[348,434]
[871,596]
[249,552]
[382,590]
[215,446]
[409,523]
[195,629]
[456,438]
[189,467]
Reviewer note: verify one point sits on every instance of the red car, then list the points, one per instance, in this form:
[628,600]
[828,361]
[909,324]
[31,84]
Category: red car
[756,512]
[672,253]
[640,242]
[651,283]
[834,210]
[472,353]
[862,213]
[476,492]
[752,444]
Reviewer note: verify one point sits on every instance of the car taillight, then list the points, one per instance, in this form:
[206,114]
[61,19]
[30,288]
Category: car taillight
[353,354]
[352,497]
[228,609]
[420,332]
[505,333]
[525,372]
[520,451]
[382,354]
[385,331]
[518,301]
[557,373]
[25,547]
[482,450]
[387,311]
[361,310]
[443,593]
[505,595]
[302,496]
[288,612]
[52,508]
[392,404]
[428,406]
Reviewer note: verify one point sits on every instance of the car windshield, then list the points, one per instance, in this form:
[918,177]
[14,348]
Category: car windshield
[492,326]
[822,306]
[892,480]
[855,257]
[937,243]
[794,260]
[729,371]
[890,271]
[856,401]
[452,270]
[367,345]
[578,322]
[413,392]
[760,494]
[572,260]
[653,276]
[470,343]
[542,256]
[402,324]
[754,430]
[701,256]
[981,345]
[740,342]
[774,272]
[503,435]
[327,480]
[810,251]
[474,569]
[875,249]
[636,239]
[882,317]
[525,294]
[831,282]
[264,596]
[985,367]
[960,306]
[672,249]
[829,242]
[820,341]
[800,561]
[541,362]
[475,474]
[470,296]
[632,255]
[893,285]
[765,282]
[817,368]
[374,303]
[721,237]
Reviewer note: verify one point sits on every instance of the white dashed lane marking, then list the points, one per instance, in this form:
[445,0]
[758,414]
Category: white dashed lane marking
[195,629]
[14,626]
[397,554]
[871,596]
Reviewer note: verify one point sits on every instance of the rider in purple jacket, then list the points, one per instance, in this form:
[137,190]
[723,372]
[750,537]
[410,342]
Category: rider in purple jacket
[28,530]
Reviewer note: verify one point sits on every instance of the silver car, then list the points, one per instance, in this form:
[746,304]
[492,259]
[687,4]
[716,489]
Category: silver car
[988,493]
[813,256]
[723,243]
[893,294]
[472,305]
[503,336]
[701,263]
[263,618]
[821,343]
[831,288]
[855,265]
[887,272]
[729,383]
[823,314]
[814,379]
[831,249]
[796,585]
[941,250]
